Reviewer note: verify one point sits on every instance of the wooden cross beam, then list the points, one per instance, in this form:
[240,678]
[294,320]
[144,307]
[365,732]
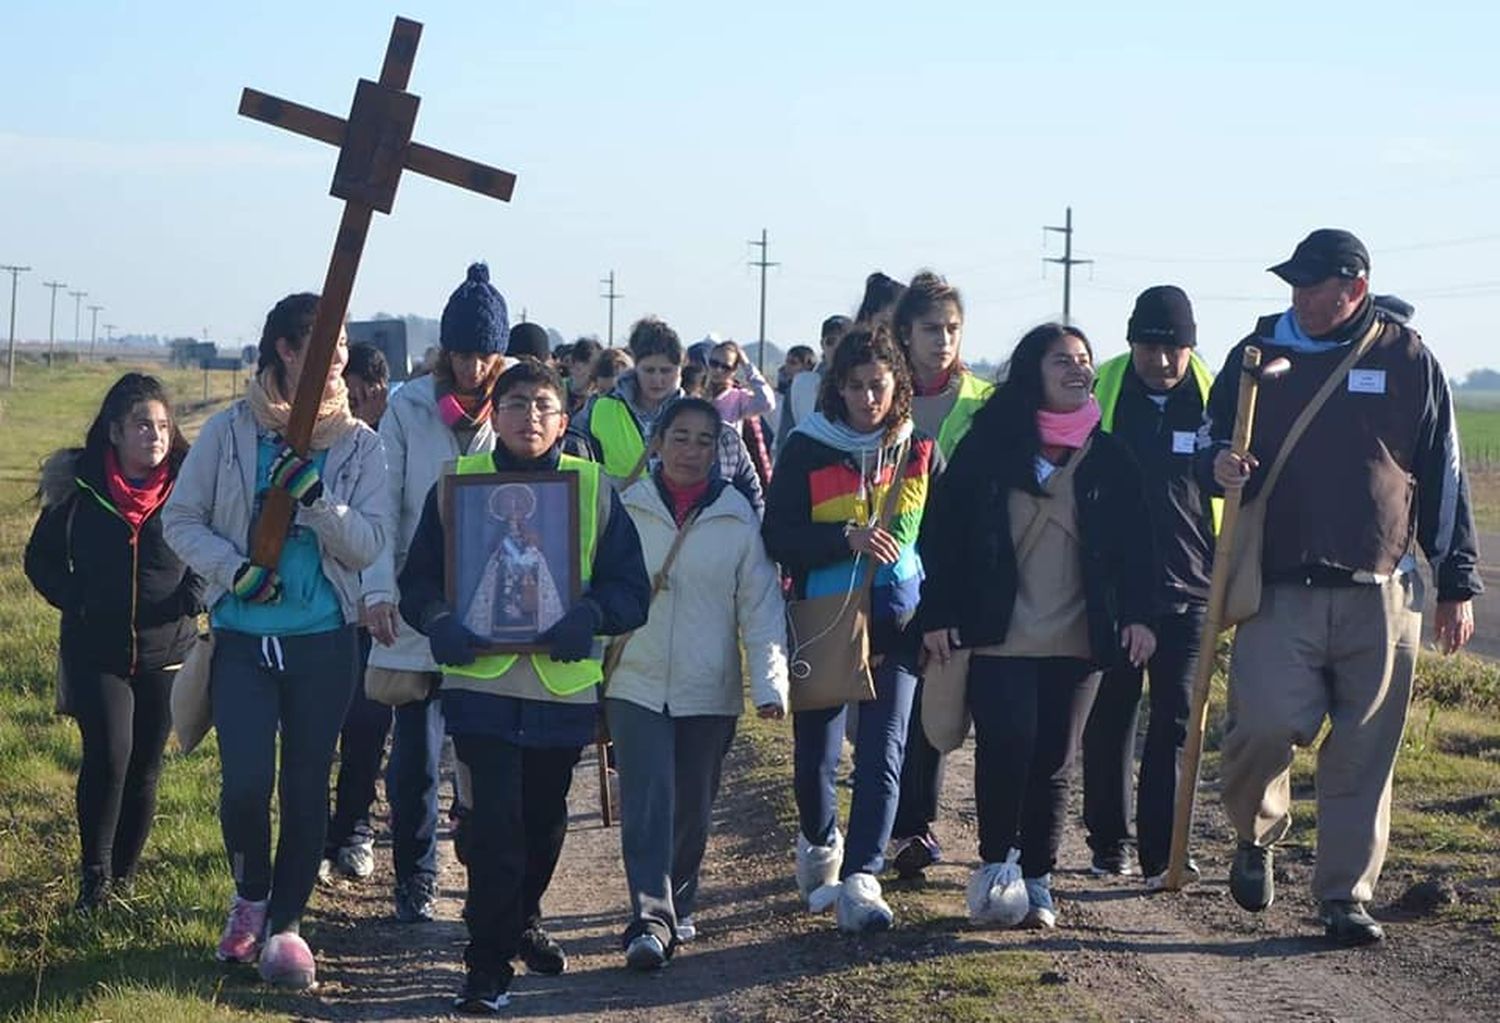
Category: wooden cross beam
[375,146]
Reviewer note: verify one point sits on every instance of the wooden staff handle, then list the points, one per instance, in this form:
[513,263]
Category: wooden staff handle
[1192,750]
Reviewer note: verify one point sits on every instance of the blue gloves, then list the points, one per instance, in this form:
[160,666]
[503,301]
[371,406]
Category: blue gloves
[571,637]
[452,643]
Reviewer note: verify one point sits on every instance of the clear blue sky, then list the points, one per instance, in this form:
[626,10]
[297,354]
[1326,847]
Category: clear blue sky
[1196,143]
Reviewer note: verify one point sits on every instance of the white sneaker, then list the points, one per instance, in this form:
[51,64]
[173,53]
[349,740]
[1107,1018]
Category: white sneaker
[860,906]
[357,859]
[687,930]
[818,865]
[997,894]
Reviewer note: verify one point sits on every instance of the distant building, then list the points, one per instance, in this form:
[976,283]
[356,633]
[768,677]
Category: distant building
[390,337]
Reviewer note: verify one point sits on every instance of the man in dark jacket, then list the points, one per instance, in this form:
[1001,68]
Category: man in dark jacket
[1152,399]
[1339,623]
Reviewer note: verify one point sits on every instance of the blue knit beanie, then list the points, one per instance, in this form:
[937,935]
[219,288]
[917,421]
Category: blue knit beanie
[475,320]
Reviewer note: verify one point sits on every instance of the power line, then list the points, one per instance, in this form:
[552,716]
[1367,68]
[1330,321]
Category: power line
[763,263]
[55,286]
[612,296]
[78,297]
[1067,261]
[10,359]
[94,330]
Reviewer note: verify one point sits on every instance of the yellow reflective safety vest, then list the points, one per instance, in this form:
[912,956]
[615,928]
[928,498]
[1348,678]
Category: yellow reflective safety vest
[1110,378]
[561,679]
[614,427]
[972,393]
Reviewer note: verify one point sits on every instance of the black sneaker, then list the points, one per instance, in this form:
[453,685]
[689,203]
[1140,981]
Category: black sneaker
[483,994]
[1250,880]
[1115,863]
[646,953]
[1349,923]
[416,899]
[94,887]
[915,854]
[541,953]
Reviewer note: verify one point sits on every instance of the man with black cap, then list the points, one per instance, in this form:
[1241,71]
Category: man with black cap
[1375,473]
[1152,398]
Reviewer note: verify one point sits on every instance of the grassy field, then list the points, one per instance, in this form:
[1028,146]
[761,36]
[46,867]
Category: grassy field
[149,956]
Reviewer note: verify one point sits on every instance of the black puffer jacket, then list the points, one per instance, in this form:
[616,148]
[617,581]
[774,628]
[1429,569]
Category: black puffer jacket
[970,559]
[128,602]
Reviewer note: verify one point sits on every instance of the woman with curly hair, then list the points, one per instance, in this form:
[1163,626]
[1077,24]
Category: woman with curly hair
[822,525]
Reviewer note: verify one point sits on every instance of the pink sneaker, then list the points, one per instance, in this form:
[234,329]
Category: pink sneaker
[286,961]
[242,933]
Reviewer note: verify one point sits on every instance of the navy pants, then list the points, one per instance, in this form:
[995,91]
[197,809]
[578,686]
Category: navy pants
[297,687]
[1028,714]
[921,779]
[361,747]
[411,785]
[879,747]
[1109,745]
[517,825]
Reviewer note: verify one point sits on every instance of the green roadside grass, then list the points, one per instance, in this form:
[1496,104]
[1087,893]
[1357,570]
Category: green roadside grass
[148,955]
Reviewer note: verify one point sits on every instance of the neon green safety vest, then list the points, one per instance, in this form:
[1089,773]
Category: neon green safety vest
[1110,378]
[559,678]
[613,426]
[972,393]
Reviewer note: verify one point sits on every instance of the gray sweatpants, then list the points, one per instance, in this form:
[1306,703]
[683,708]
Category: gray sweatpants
[669,777]
[298,687]
[1345,655]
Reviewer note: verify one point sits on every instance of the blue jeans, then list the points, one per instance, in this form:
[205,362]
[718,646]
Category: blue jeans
[411,785]
[879,748]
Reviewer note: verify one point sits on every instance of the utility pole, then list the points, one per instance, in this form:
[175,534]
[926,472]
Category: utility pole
[1068,263]
[55,286]
[109,332]
[10,362]
[78,297]
[94,330]
[763,263]
[613,296]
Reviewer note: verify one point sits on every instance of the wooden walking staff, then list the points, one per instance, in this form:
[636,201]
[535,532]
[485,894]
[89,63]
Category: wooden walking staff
[375,146]
[1251,374]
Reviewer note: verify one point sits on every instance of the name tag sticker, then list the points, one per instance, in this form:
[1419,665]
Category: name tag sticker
[1367,381]
[1184,442]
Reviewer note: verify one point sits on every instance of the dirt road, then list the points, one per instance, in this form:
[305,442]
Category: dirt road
[1117,954]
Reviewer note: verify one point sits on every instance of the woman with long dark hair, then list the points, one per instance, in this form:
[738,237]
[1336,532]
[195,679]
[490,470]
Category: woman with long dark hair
[822,523]
[1039,562]
[286,652]
[128,604]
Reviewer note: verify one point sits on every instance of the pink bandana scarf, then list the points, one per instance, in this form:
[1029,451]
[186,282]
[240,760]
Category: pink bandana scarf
[1068,429]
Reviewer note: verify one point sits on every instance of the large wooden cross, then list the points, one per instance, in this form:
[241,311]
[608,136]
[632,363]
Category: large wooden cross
[375,146]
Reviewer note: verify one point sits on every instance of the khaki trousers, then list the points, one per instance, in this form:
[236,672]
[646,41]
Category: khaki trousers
[1346,655]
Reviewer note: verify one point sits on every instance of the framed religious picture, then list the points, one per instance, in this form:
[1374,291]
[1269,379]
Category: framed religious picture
[512,554]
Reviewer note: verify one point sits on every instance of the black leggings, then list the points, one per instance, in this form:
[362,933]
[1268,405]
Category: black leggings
[124,722]
[1029,714]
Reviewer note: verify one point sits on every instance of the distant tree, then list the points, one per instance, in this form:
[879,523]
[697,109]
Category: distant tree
[1481,380]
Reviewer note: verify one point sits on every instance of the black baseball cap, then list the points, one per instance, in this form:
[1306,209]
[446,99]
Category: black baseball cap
[1163,316]
[1327,252]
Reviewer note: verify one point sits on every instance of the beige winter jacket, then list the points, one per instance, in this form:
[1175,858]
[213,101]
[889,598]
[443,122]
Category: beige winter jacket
[722,591]
[207,518]
[418,445]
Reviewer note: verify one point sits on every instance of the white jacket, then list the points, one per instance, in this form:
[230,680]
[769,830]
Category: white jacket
[418,447]
[206,519]
[722,590]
